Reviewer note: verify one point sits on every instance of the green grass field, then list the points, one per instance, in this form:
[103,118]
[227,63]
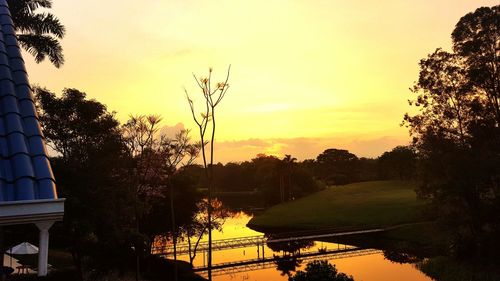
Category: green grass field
[359,205]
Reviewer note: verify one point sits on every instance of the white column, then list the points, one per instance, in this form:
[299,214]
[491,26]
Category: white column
[43,247]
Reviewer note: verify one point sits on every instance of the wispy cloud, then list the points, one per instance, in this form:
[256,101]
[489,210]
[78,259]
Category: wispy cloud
[303,148]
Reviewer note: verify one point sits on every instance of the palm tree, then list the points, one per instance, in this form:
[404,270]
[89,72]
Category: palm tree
[285,168]
[38,33]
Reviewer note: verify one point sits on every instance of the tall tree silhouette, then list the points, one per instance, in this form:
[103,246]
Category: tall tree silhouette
[212,96]
[476,38]
[38,33]
[285,172]
[456,133]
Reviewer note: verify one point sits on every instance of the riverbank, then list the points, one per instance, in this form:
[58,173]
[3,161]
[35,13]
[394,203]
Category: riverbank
[360,205]
[392,205]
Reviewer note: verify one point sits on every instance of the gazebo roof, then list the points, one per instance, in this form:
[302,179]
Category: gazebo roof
[25,172]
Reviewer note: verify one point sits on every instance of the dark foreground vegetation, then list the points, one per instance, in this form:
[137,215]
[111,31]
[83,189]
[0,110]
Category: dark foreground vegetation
[129,188]
[155,269]
[457,135]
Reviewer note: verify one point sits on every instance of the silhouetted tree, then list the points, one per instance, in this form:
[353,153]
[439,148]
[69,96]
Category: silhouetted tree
[89,164]
[476,40]
[456,133]
[290,247]
[212,96]
[38,33]
[200,224]
[320,271]
[176,152]
[287,264]
[285,171]
[337,166]
[367,169]
[157,160]
[399,163]
[145,176]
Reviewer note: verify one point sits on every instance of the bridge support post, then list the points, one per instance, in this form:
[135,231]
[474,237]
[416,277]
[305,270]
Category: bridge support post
[263,256]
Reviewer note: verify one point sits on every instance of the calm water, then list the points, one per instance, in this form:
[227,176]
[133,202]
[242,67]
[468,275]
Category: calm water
[373,267]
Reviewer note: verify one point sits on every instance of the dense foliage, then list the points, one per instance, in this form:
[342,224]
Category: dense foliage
[38,32]
[276,180]
[118,198]
[457,136]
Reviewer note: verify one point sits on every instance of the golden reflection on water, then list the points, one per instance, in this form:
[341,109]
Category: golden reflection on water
[363,268]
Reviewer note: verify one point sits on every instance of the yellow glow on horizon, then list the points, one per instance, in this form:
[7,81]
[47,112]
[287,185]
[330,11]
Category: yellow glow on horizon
[313,69]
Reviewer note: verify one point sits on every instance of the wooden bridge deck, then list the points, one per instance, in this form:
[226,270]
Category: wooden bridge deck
[243,242]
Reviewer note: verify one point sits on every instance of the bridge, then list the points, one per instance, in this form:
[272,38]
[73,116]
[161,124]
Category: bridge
[263,263]
[217,245]
[260,240]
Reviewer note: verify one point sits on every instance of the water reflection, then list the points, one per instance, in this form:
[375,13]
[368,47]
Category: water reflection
[290,247]
[402,258]
[287,264]
[278,260]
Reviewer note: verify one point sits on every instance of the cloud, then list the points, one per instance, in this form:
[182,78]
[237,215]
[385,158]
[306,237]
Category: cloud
[303,148]
[171,131]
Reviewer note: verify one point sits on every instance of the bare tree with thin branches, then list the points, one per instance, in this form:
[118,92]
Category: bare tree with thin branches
[212,96]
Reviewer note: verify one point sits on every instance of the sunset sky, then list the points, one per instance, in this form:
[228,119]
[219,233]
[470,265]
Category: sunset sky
[306,75]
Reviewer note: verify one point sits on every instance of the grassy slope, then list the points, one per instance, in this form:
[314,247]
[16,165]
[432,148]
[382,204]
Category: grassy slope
[378,203]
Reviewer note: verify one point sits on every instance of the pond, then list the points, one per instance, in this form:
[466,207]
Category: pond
[368,265]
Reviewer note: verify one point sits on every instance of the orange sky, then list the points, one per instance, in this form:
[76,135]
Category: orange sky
[306,75]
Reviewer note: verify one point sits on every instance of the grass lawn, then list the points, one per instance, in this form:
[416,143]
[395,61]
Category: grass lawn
[359,205]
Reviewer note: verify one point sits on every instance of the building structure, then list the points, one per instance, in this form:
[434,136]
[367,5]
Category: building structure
[27,186]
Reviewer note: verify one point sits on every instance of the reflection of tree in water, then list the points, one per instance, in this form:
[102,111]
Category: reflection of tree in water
[291,253]
[287,264]
[320,270]
[238,203]
[400,257]
[292,247]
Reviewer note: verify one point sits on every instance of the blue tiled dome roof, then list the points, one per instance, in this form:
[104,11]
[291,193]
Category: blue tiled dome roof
[25,172]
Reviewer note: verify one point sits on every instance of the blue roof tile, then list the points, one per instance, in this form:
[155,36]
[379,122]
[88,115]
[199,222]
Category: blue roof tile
[23,91]
[6,86]
[25,172]
[16,144]
[37,146]
[31,126]
[27,108]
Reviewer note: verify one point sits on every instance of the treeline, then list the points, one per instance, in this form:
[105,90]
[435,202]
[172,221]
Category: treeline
[277,180]
[122,184]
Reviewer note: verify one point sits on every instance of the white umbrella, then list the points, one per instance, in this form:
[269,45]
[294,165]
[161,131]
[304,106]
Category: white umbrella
[24,248]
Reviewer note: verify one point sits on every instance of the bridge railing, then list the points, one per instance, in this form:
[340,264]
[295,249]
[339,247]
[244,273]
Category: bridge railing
[239,242]
[216,244]
[255,264]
